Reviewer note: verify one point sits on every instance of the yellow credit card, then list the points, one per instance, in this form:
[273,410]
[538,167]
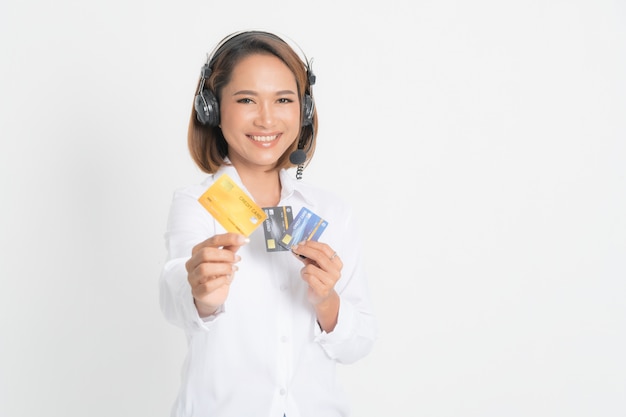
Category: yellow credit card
[232,207]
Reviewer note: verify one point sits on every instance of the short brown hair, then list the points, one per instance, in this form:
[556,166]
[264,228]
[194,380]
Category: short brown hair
[207,144]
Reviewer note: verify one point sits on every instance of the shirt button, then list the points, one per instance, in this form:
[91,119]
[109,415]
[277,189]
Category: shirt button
[283,391]
[283,339]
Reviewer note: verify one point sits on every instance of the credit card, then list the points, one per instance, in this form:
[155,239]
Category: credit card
[305,226]
[232,207]
[275,226]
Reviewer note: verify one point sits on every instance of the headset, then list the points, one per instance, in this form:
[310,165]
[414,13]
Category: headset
[206,104]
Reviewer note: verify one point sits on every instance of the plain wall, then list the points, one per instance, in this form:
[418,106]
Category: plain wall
[483,142]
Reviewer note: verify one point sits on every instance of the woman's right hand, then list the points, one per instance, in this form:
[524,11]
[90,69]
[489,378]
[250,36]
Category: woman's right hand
[211,269]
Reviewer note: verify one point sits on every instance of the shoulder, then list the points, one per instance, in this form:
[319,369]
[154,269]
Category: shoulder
[322,195]
[185,199]
[194,190]
[310,192]
[323,201]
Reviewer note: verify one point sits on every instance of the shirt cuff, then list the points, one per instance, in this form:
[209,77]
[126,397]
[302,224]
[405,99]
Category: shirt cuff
[212,317]
[344,329]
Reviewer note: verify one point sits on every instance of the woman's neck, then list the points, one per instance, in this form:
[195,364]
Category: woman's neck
[264,186]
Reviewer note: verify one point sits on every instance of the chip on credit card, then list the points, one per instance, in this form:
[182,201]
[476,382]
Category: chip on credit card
[305,226]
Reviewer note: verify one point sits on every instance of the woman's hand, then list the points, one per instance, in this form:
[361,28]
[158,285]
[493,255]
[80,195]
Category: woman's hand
[211,269]
[322,270]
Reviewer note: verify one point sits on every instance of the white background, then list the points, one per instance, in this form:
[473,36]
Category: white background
[484,142]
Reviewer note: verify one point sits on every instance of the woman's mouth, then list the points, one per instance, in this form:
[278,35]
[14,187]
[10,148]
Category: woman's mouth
[263,138]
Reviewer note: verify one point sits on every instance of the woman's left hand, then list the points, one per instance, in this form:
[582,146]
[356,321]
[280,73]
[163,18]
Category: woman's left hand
[322,269]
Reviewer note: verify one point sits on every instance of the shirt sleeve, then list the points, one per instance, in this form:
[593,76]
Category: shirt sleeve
[356,331]
[188,224]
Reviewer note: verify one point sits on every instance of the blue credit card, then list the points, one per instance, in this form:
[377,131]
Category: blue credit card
[305,226]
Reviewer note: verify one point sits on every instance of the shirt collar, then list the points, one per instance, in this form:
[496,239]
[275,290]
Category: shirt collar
[289,184]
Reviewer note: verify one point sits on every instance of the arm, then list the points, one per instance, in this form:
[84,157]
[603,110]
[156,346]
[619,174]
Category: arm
[191,260]
[339,293]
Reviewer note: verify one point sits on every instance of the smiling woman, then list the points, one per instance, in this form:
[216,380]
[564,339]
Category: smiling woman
[219,71]
[481,143]
[253,311]
[260,113]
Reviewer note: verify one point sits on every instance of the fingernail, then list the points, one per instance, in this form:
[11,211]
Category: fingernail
[242,240]
[237,258]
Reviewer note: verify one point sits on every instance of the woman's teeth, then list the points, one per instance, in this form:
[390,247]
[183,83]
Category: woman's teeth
[264,138]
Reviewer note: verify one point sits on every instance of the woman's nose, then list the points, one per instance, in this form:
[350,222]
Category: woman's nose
[265,115]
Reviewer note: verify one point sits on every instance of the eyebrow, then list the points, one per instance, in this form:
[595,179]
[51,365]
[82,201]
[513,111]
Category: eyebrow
[254,93]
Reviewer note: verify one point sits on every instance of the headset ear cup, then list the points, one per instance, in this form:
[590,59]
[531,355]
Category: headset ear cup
[207,108]
[307,117]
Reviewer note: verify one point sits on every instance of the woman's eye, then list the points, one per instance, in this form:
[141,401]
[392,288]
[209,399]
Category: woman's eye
[285,100]
[244,100]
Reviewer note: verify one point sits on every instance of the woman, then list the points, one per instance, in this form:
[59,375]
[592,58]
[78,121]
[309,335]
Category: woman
[265,325]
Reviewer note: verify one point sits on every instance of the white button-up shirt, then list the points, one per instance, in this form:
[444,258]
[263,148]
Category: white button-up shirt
[263,353]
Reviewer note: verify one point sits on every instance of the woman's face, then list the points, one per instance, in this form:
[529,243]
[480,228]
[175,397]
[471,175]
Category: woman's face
[259,112]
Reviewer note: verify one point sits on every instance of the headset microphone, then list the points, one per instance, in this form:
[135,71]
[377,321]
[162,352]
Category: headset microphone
[297,157]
